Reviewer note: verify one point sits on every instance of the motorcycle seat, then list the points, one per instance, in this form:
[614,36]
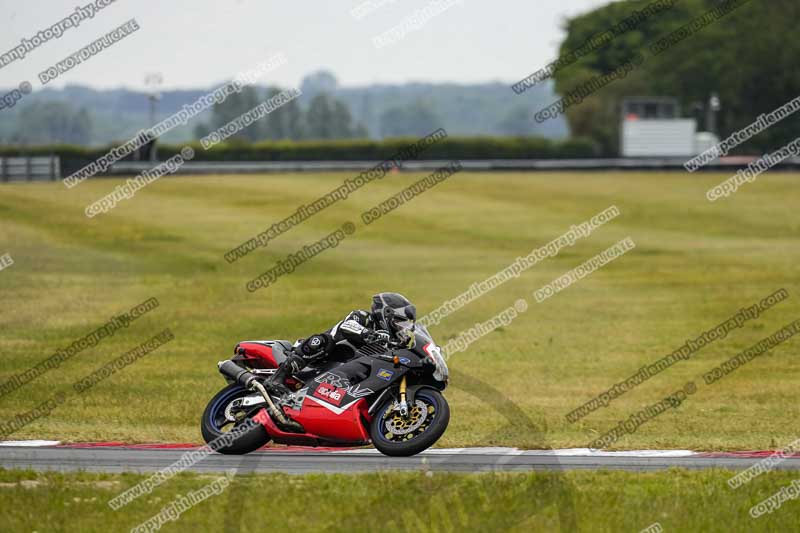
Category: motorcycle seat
[280,350]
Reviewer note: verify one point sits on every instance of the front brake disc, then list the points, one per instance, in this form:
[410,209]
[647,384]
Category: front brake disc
[397,425]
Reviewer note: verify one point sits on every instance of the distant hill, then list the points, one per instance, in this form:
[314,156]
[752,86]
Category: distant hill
[464,110]
[468,110]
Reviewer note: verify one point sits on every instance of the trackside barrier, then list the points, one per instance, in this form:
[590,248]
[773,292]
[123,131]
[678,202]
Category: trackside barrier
[38,168]
[474,165]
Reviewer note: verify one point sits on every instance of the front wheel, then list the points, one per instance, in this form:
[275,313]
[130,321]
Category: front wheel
[223,415]
[395,435]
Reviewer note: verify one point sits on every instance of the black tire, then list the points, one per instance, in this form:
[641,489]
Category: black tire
[398,446]
[214,425]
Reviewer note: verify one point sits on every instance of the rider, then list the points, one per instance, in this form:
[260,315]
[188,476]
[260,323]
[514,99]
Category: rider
[390,314]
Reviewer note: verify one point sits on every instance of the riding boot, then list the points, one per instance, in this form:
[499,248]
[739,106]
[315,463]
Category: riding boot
[293,364]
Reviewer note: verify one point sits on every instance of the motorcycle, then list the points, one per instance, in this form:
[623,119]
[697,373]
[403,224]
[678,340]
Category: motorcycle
[386,394]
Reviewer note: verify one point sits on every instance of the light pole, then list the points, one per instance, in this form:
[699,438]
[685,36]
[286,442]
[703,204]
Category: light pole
[714,107]
[153,82]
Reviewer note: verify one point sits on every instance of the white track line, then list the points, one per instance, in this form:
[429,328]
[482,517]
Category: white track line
[570,452]
[31,443]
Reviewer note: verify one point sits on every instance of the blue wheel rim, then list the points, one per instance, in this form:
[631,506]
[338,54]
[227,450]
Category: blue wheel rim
[382,424]
[219,406]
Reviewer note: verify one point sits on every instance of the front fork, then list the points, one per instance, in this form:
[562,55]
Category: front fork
[403,403]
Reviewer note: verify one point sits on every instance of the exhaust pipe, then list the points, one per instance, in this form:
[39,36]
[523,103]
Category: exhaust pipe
[248,380]
[236,373]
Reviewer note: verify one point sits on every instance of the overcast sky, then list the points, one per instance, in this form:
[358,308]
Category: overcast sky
[198,43]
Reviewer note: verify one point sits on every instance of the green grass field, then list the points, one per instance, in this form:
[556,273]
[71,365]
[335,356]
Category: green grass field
[695,264]
[607,501]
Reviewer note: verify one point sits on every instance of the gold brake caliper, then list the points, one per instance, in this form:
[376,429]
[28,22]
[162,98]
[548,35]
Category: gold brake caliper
[406,428]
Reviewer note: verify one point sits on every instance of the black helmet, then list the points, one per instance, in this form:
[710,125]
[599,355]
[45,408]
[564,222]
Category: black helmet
[393,312]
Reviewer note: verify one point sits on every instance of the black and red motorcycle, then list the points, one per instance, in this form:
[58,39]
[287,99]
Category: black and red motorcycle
[385,394]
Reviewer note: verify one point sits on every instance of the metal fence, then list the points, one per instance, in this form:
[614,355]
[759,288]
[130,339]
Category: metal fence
[726,164]
[44,168]
[34,168]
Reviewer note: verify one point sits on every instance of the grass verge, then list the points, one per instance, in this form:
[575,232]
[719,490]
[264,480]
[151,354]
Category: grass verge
[604,501]
[695,264]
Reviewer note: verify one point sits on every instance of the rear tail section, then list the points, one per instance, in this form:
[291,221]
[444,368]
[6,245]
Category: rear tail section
[261,354]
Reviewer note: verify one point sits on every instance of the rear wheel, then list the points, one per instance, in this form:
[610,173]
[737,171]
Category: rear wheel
[396,435]
[223,415]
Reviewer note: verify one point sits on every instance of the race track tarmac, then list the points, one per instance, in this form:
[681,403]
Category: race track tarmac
[295,460]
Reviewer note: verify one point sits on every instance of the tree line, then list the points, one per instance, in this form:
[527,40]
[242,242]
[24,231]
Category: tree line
[747,57]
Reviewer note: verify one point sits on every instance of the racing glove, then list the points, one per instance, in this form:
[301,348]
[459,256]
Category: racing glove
[371,335]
